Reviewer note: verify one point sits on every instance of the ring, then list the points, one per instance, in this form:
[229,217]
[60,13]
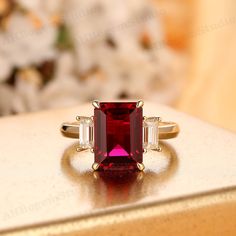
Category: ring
[118,134]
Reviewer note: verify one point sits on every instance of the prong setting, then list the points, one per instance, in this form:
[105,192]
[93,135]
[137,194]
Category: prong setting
[140,104]
[95,166]
[140,166]
[159,149]
[96,104]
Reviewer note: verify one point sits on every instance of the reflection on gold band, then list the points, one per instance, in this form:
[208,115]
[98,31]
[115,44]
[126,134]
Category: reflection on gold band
[105,188]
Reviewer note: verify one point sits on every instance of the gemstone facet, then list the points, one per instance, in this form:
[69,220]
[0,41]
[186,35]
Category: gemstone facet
[118,135]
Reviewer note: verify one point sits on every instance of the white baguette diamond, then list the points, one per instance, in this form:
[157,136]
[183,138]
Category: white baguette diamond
[85,132]
[151,133]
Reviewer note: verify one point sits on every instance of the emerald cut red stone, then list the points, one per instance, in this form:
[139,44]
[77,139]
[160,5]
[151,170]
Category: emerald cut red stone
[118,135]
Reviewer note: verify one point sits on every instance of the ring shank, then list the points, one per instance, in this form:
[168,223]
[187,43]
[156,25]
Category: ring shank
[167,130]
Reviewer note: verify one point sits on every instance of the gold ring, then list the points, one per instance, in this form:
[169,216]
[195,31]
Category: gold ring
[118,134]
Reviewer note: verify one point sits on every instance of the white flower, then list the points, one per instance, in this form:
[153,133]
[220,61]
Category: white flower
[30,4]
[27,88]
[65,89]
[127,67]
[61,93]
[46,6]
[23,44]
[109,60]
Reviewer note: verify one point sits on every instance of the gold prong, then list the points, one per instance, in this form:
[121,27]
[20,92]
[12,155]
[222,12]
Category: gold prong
[91,150]
[144,118]
[140,103]
[96,104]
[78,118]
[159,119]
[140,166]
[78,149]
[95,166]
[145,150]
[92,118]
[159,149]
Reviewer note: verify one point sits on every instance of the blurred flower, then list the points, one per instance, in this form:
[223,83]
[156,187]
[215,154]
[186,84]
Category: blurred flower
[60,53]
[48,7]
[23,44]
[64,89]
[127,45]
[28,83]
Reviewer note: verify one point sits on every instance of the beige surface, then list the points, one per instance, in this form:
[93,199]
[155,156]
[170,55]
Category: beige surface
[38,184]
[210,92]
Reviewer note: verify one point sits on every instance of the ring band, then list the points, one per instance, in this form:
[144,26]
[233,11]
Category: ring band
[118,134]
[166,130]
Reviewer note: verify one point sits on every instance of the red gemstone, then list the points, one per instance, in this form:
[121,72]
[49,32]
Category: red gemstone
[118,135]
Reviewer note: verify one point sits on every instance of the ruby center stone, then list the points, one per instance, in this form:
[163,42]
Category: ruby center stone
[118,135]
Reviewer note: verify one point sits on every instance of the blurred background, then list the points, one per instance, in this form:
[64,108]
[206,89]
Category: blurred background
[61,53]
